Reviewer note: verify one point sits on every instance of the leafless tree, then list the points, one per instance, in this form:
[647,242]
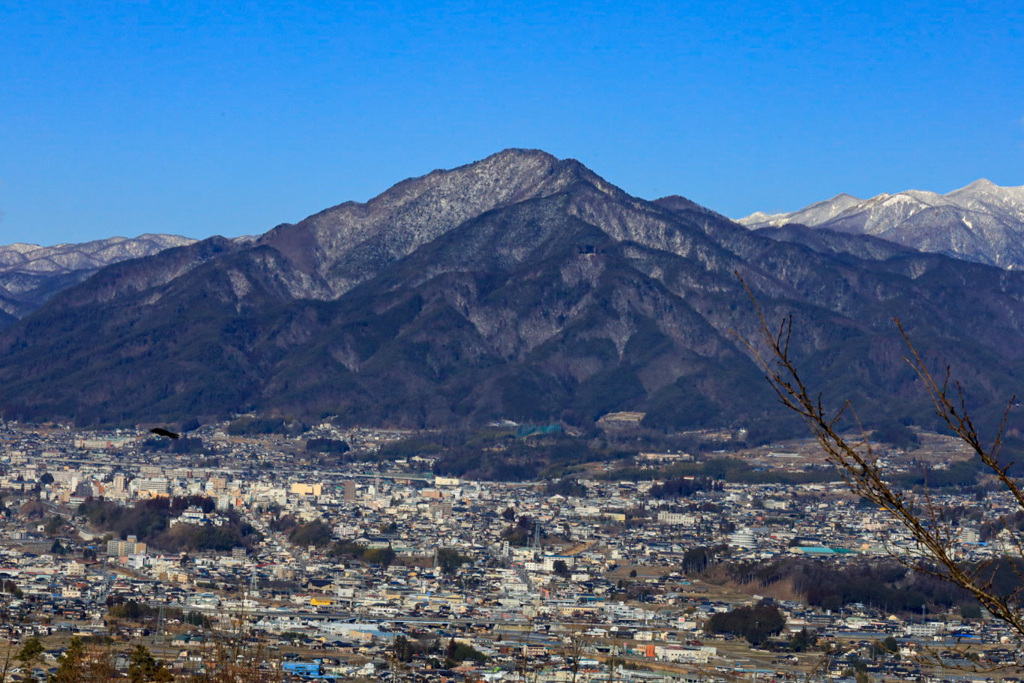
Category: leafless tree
[935,540]
[574,650]
[7,662]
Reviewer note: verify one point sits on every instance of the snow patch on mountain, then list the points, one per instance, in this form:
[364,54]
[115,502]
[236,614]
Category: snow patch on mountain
[980,222]
[30,273]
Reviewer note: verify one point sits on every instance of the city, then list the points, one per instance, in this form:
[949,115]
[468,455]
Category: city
[380,568]
[490,342]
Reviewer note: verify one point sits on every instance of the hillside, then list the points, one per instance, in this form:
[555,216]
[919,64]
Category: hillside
[30,274]
[521,287]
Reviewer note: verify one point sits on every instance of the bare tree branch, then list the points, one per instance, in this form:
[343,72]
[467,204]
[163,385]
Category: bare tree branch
[934,537]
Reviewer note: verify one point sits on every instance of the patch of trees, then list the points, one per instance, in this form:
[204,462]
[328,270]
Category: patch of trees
[804,640]
[959,474]
[197,619]
[284,523]
[883,582]
[458,652]
[502,457]
[991,528]
[330,446]
[253,426]
[206,537]
[407,448]
[756,623]
[449,559]
[186,445]
[519,534]
[31,651]
[496,454]
[144,668]
[490,467]
[896,434]
[697,560]
[683,486]
[377,556]
[145,519]
[317,533]
[887,647]
[570,488]
[54,525]
[149,521]
[403,649]
[130,610]
[453,654]
[724,469]
[34,509]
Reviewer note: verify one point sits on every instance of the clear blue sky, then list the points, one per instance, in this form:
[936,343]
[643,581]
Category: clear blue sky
[119,118]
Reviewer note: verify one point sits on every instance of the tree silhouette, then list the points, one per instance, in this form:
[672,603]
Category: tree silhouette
[934,534]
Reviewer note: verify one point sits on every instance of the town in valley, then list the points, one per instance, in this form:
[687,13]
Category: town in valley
[351,553]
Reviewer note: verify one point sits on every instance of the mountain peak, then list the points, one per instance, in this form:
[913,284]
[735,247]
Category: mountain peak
[519,153]
[682,205]
[814,214]
[347,244]
[520,286]
[980,222]
[981,184]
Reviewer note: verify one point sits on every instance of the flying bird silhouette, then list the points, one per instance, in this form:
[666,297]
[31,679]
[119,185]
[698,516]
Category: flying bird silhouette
[160,431]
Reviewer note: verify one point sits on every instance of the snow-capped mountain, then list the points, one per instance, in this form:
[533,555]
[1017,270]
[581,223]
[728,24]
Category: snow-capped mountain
[30,274]
[520,286]
[981,222]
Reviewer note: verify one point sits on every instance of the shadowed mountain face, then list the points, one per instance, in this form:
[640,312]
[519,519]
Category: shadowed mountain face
[521,286]
[31,274]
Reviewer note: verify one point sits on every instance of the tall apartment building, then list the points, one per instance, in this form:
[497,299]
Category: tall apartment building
[131,546]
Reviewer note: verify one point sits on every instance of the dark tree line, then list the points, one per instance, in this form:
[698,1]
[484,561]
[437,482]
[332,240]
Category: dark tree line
[377,556]
[450,559]
[756,623]
[683,486]
[150,522]
[884,583]
[331,446]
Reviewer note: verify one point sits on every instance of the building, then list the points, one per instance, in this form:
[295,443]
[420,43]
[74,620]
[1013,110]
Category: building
[315,490]
[131,546]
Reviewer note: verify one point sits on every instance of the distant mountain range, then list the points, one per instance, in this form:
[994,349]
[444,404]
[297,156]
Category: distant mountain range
[981,222]
[523,287]
[31,274]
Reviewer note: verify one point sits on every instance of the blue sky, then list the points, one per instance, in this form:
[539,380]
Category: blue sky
[119,118]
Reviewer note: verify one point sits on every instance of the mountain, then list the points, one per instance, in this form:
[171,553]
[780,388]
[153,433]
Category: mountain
[31,274]
[981,222]
[521,286]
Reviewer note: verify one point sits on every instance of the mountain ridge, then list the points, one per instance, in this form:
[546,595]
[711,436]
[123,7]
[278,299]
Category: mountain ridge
[30,274]
[521,286]
[356,233]
[980,222]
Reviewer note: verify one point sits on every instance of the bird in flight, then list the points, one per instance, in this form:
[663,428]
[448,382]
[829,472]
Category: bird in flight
[160,431]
